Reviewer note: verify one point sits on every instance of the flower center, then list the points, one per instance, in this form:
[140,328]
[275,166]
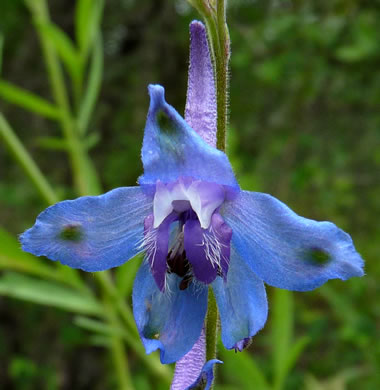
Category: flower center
[185,215]
[177,262]
[185,194]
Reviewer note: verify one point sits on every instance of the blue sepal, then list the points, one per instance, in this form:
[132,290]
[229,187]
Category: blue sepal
[172,320]
[286,250]
[171,148]
[93,233]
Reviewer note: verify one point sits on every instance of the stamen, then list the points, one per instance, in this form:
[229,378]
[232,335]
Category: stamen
[149,245]
[213,248]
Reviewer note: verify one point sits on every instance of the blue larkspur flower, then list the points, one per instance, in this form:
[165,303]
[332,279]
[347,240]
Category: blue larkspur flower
[197,228]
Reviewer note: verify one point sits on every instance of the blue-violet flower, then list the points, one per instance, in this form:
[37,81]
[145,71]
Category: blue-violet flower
[197,229]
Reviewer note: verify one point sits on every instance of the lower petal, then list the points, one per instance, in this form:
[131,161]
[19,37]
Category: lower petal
[286,250]
[92,233]
[242,303]
[197,252]
[156,244]
[170,321]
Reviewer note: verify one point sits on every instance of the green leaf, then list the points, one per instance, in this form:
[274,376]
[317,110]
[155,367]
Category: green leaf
[28,100]
[93,87]
[64,47]
[1,51]
[125,275]
[52,143]
[241,368]
[48,293]
[294,353]
[13,258]
[87,23]
[91,140]
[97,326]
[281,332]
[337,382]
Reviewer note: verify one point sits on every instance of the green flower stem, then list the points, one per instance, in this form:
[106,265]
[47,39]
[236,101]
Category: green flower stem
[214,14]
[211,326]
[27,163]
[85,176]
[222,80]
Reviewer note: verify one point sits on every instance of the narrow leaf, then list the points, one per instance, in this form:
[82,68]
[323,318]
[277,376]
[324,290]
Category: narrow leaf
[241,368]
[87,23]
[91,140]
[125,275]
[13,258]
[1,51]
[52,143]
[97,326]
[28,100]
[281,332]
[48,293]
[294,353]
[93,87]
[64,47]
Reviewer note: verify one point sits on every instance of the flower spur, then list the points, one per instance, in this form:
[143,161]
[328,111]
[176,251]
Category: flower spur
[197,229]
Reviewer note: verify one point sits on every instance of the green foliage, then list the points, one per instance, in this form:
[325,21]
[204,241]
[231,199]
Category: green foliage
[28,100]
[48,293]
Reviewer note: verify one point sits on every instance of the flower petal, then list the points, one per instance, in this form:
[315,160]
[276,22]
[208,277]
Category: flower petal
[206,376]
[196,252]
[286,250]
[156,244]
[200,112]
[93,233]
[172,148]
[188,368]
[242,303]
[171,321]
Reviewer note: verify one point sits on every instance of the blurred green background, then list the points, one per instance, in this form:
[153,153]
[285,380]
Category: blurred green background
[304,126]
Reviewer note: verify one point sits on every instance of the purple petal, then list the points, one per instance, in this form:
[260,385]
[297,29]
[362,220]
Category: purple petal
[188,368]
[156,242]
[196,252]
[93,233]
[286,250]
[206,376]
[200,112]
[223,234]
[170,321]
[242,344]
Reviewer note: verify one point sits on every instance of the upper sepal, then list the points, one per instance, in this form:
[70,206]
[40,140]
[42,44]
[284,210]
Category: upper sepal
[171,148]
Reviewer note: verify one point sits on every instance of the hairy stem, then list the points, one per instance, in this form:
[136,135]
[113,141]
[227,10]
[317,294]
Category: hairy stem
[211,326]
[222,78]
